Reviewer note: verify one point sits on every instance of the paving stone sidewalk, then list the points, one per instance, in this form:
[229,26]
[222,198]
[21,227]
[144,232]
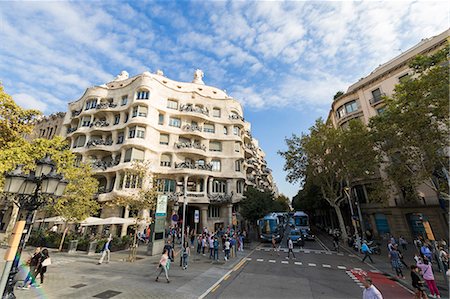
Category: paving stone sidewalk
[78,276]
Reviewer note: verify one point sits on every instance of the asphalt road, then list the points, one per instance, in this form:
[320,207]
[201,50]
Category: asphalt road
[316,272]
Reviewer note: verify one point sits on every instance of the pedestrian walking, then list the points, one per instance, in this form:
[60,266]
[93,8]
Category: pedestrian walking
[290,245]
[402,241]
[418,283]
[426,252]
[203,244]
[33,263]
[164,265]
[44,261]
[199,244]
[370,291]
[366,251]
[169,249]
[227,249]
[428,276]
[241,242]
[106,252]
[216,248]
[186,254]
[396,262]
[336,242]
[211,247]
[443,256]
[274,245]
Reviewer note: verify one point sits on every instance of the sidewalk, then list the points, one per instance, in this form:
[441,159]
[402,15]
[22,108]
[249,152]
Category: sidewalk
[78,276]
[382,263]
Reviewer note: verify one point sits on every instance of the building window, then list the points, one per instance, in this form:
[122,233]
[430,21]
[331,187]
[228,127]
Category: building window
[165,160]
[126,118]
[116,119]
[124,101]
[219,186]
[142,111]
[237,147]
[86,121]
[214,211]
[376,95]
[135,111]
[165,185]
[133,181]
[172,104]
[236,131]
[240,187]
[140,133]
[91,104]
[120,137]
[225,130]
[216,112]
[380,110]
[143,95]
[403,78]
[174,122]
[127,157]
[215,146]
[81,140]
[200,162]
[164,139]
[340,112]
[133,154]
[209,128]
[215,165]
[237,165]
[132,132]
[161,119]
[351,107]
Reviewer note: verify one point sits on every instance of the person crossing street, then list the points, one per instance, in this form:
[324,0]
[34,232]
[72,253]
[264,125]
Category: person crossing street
[290,247]
[366,251]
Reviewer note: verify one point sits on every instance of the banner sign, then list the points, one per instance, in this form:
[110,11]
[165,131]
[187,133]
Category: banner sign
[197,216]
[161,205]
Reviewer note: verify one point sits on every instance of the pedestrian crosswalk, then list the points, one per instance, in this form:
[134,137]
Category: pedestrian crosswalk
[307,251]
[299,263]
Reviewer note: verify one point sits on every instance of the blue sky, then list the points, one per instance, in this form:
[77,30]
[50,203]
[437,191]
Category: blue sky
[283,60]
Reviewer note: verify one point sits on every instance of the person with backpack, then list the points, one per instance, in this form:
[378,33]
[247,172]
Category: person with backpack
[169,249]
[428,276]
[216,248]
[366,251]
[418,283]
[164,265]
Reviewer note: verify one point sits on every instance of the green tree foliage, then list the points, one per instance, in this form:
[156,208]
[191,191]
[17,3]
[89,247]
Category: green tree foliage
[281,204]
[413,130]
[256,204]
[330,158]
[309,198]
[14,121]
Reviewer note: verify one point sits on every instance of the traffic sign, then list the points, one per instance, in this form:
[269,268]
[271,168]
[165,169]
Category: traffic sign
[175,217]
[196,216]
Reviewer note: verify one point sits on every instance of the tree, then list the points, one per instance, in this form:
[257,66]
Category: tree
[326,157]
[413,130]
[256,204]
[143,199]
[281,204]
[14,121]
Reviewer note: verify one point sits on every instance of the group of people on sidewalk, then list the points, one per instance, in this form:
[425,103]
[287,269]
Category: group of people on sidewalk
[422,273]
[38,263]
[230,239]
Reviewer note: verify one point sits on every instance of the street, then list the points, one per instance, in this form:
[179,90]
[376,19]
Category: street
[316,272]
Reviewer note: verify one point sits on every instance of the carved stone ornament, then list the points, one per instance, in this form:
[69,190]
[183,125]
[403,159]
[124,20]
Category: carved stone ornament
[220,198]
[122,76]
[198,77]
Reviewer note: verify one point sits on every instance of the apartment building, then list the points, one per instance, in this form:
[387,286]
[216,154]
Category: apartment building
[194,137]
[363,100]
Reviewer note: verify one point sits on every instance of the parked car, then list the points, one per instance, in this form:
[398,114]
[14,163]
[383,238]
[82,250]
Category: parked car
[308,235]
[297,237]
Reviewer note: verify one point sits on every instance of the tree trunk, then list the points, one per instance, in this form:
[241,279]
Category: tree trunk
[12,221]
[63,236]
[341,222]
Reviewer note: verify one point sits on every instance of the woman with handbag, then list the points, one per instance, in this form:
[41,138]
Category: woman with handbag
[42,267]
[33,263]
[428,276]
[418,283]
[164,265]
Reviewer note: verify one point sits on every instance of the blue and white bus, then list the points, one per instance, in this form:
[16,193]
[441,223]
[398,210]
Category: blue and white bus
[270,226]
[301,220]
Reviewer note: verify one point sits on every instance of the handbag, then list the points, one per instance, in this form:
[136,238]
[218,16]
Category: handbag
[47,262]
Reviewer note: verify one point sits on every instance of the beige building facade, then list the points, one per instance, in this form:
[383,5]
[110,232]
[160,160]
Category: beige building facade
[363,100]
[193,136]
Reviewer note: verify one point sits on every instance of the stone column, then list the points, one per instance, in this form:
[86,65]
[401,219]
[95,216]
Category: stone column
[12,221]
[205,186]
[125,226]
[230,214]
[210,187]
[204,216]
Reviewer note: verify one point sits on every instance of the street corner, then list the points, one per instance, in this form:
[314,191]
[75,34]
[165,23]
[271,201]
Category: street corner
[386,284]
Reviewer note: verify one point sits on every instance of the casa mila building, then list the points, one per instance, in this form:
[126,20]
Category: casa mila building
[192,136]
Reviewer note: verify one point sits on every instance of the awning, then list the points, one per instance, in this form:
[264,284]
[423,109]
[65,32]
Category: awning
[110,221]
[56,219]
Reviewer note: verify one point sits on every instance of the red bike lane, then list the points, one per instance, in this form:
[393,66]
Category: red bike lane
[388,287]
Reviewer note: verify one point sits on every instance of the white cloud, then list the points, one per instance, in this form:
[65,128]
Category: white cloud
[27,101]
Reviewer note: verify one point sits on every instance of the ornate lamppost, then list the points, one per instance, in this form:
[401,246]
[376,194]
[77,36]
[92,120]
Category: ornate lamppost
[30,192]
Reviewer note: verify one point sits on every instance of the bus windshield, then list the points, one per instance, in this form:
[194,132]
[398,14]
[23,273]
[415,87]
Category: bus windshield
[301,220]
[268,226]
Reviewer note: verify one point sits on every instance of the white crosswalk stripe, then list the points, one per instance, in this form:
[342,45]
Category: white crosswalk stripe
[326,266]
[249,259]
[284,262]
[260,260]
[311,264]
[298,263]
[342,267]
[272,261]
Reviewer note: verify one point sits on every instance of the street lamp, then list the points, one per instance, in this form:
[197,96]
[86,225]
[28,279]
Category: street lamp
[346,190]
[28,190]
